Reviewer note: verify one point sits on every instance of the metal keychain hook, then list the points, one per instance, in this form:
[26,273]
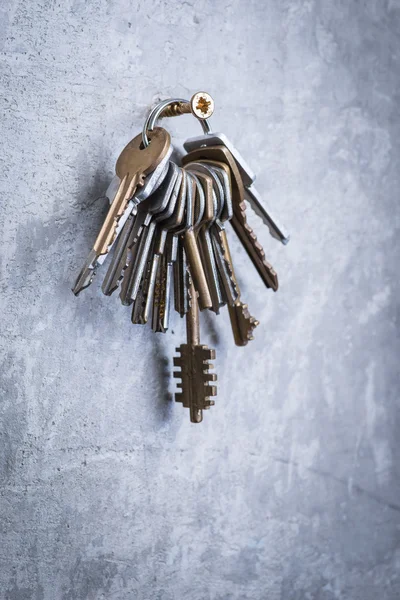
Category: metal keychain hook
[201,106]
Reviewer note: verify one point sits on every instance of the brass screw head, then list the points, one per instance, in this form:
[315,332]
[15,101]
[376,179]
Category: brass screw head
[202,105]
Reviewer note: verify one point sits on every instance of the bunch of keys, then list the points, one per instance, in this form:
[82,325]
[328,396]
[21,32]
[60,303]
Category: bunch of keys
[167,227]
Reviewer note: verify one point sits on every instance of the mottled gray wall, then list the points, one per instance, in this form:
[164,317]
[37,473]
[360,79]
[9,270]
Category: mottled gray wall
[289,490]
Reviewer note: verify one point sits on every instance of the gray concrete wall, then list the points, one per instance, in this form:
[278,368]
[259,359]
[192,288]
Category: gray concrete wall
[289,490]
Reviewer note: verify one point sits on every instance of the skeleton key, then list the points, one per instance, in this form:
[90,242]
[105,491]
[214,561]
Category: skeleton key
[132,168]
[193,361]
[276,229]
[242,229]
[121,254]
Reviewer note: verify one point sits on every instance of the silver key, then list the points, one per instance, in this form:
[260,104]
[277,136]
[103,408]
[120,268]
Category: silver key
[162,219]
[276,229]
[158,204]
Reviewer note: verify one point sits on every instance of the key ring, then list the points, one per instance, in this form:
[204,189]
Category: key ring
[201,106]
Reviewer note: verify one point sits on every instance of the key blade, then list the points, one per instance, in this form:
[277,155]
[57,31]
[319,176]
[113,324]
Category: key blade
[242,323]
[253,247]
[276,229]
[86,275]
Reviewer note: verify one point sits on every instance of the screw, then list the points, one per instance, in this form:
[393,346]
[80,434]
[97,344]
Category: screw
[202,105]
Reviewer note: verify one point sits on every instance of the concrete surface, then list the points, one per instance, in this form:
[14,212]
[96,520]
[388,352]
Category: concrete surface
[289,489]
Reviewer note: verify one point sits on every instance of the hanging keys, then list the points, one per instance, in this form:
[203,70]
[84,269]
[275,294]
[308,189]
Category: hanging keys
[167,228]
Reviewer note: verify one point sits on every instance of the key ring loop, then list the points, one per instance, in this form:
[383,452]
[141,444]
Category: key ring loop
[157,111]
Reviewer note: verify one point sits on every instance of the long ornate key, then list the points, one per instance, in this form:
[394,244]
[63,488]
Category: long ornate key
[242,229]
[193,361]
[276,229]
[133,165]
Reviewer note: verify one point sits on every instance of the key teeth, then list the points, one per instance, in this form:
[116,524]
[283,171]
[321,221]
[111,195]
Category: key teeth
[210,390]
[207,353]
[209,376]
[242,218]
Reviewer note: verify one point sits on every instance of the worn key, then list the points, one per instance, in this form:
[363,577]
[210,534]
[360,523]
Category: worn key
[195,384]
[276,228]
[120,258]
[137,164]
[242,323]
[204,238]
[162,220]
[167,250]
[222,190]
[155,204]
[194,257]
[239,223]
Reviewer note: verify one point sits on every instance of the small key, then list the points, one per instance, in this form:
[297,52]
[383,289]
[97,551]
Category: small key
[134,166]
[193,361]
[242,229]
[276,229]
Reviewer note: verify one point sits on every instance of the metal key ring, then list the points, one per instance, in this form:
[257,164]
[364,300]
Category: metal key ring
[156,112]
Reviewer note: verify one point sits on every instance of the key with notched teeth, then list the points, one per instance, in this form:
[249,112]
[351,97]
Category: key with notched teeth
[133,165]
[125,242]
[276,229]
[166,245]
[189,241]
[204,238]
[162,220]
[196,389]
[239,223]
[155,204]
[220,176]
[242,323]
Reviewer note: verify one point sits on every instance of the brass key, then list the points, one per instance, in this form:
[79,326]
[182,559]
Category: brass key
[242,323]
[193,361]
[189,240]
[132,166]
